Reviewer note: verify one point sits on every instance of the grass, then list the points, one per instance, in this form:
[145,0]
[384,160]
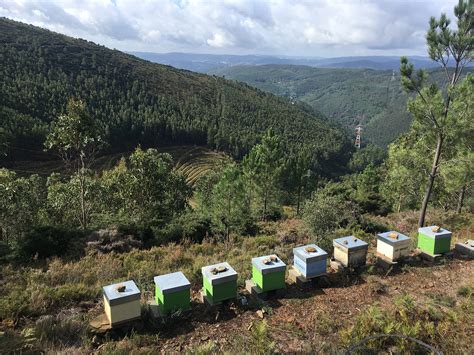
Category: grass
[442,328]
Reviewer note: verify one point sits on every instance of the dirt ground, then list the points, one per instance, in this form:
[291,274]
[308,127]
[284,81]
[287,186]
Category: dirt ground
[314,316]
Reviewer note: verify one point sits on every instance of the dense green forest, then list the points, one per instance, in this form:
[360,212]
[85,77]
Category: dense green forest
[373,98]
[141,102]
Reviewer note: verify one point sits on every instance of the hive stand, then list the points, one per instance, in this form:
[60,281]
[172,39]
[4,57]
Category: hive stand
[122,303]
[268,277]
[219,284]
[350,252]
[310,263]
[172,294]
[466,248]
[433,241]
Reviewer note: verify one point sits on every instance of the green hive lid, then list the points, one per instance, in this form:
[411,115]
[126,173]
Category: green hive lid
[275,265]
[221,277]
[305,253]
[392,237]
[171,283]
[428,231]
[114,296]
[350,243]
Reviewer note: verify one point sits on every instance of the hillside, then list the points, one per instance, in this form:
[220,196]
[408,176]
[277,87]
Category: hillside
[372,98]
[48,308]
[139,102]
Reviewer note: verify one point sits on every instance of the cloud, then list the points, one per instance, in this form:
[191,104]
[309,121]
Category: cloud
[301,27]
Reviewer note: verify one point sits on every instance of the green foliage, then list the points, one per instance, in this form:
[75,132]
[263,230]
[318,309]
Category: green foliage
[433,120]
[136,101]
[408,319]
[229,205]
[262,168]
[21,199]
[73,201]
[324,213]
[260,341]
[44,242]
[145,190]
[75,135]
[370,154]
[348,97]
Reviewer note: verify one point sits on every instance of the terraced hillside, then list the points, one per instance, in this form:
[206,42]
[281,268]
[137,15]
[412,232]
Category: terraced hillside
[192,161]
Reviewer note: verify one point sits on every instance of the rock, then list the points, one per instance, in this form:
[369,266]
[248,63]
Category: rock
[260,314]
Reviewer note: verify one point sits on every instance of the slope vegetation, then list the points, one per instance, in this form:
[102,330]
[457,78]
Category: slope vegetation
[139,102]
[372,98]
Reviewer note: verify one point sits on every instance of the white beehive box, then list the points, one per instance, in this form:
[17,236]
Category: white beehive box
[350,251]
[393,245]
[122,302]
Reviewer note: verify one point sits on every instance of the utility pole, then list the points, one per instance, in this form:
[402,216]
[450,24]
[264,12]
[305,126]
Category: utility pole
[358,132]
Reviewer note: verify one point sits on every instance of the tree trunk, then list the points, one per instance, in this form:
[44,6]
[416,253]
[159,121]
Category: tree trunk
[432,176]
[82,192]
[462,192]
[298,200]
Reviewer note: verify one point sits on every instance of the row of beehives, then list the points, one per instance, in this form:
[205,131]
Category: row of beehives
[172,291]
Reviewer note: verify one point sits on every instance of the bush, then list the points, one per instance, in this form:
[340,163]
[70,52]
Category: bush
[60,332]
[45,242]
[190,225]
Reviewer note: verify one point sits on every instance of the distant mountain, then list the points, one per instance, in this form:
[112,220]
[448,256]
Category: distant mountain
[205,63]
[373,98]
[139,102]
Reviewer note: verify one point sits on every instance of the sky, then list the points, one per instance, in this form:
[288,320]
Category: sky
[313,28]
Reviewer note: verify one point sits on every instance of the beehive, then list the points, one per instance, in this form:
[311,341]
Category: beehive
[393,245]
[219,282]
[122,302]
[434,240]
[172,292]
[268,272]
[350,251]
[310,260]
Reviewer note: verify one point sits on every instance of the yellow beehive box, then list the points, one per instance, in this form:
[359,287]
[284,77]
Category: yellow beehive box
[122,302]
[393,245]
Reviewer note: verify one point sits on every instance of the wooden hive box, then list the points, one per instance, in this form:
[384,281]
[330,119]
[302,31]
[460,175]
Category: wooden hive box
[350,251]
[268,272]
[310,260]
[219,286]
[172,292]
[393,245]
[122,302]
[434,240]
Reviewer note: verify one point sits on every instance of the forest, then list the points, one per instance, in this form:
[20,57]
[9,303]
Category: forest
[277,174]
[349,97]
[138,102]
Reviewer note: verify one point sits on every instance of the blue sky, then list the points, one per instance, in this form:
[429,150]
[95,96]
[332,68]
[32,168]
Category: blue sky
[280,27]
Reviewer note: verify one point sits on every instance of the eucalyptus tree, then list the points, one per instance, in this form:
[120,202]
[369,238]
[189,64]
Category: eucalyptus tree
[453,50]
[77,137]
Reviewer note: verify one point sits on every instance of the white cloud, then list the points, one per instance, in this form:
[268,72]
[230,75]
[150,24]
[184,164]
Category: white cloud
[301,27]
[219,40]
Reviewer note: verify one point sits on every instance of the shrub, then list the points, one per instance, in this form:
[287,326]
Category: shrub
[45,242]
[260,342]
[60,332]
